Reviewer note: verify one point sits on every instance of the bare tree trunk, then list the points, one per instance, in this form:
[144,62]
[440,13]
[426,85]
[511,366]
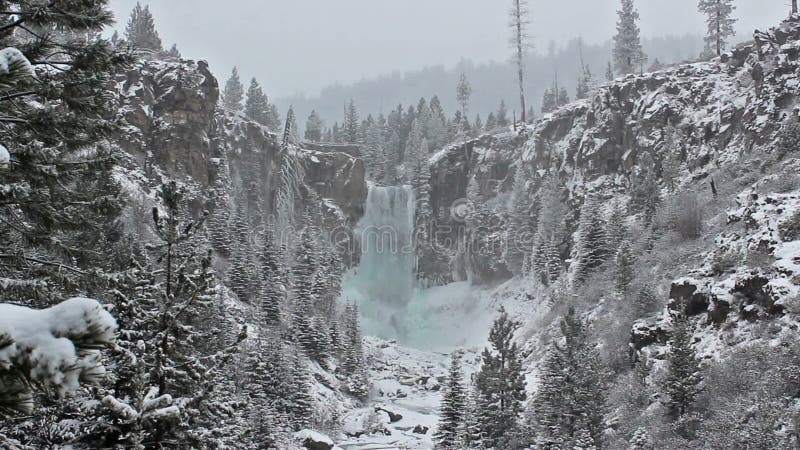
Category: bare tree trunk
[794,6]
[518,14]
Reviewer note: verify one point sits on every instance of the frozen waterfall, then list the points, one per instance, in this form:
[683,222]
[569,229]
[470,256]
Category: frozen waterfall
[383,283]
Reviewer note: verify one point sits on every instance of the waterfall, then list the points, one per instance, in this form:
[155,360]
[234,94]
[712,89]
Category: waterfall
[383,283]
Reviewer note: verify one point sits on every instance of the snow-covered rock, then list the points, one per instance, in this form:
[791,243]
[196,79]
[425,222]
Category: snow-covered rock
[313,440]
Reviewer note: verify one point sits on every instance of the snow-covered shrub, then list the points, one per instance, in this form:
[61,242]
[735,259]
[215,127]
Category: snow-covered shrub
[790,230]
[723,261]
[684,215]
[789,137]
[57,348]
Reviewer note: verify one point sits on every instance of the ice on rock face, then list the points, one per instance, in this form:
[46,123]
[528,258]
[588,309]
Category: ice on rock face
[60,345]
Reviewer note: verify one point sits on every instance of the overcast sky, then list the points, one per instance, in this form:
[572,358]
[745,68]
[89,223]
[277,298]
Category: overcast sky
[303,45]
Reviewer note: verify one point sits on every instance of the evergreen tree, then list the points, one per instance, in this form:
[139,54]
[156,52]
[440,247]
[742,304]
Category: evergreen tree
[519,232]
[645,191]
[720,23]
[500,382]
[303,271]
[591,245]
[56,178]
[272,280]
[570,404]
[190,344]
[609,72]
[350,125]
[640,440]
[353,364]
[549,231]
[463,94]
[452,410]
[313,127]
[173,52]
[491,122]
[256,107]
[670,158]
[624,267]
[563,97]
[584,84]
[140,32]
[548,101]
[471,435]
[301,403]
[502,115]
[682,383]
[477,126]
[628,53]
[233,94]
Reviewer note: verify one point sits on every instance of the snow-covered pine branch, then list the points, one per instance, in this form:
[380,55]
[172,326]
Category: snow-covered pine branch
[57,348]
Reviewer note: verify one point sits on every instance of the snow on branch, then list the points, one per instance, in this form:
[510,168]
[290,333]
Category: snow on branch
[57,348]
[14,66]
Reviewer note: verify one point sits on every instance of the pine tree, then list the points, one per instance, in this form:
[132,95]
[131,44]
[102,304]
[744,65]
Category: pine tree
[273,282]
[350,124]
[491,122]
[624,262]
[682,383]
[670,158]
[591,245]
[471,435]
[193,339]
[519,232]
[548,101]
[628,53]
[353,364]
[549,230]
[463,94]
[563,97]
[140,31]
[56,178]
[233,94]
[300,400]
[609,72]
[173,52]
[645,191]
[570,404]
[452,411]
[584,83]
[303,271]
[313,127]
[640,440]
[500,381]
[720,23]
[502,115]
[256,107]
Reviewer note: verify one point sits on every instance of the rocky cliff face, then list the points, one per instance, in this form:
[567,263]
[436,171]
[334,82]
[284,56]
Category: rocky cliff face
[174,128]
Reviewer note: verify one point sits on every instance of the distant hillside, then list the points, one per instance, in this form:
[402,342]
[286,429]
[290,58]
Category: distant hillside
[491,82]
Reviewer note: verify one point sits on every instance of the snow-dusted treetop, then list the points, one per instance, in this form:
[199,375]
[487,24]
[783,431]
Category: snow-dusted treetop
[57,347]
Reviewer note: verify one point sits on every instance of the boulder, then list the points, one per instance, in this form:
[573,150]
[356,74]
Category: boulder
[686,294]
[393,417]
[420,429]
[313,440]
[644,334]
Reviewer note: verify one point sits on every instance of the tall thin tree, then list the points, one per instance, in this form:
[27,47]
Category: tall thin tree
[519,41]
[720,23]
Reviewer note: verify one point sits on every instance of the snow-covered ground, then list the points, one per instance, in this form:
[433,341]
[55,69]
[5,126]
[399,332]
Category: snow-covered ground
[406,391]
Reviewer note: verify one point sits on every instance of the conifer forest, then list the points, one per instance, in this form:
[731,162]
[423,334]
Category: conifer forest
[360,225]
